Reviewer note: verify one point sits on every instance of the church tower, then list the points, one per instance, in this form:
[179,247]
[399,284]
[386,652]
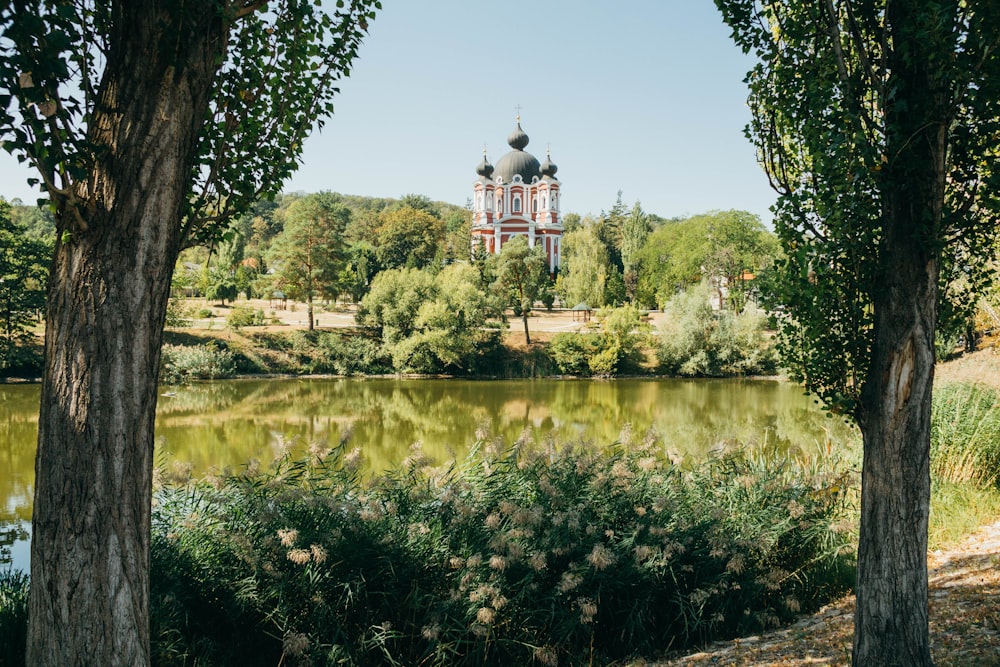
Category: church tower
[518,196]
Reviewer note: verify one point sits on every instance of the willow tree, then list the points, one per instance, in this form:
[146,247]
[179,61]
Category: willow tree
[150,123]
[877,123]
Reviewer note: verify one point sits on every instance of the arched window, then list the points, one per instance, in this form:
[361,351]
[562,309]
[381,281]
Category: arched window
[516,208]
[534,204]
[555,200]
[489,201]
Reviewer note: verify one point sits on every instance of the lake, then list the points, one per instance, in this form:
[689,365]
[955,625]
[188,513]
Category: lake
[225,424]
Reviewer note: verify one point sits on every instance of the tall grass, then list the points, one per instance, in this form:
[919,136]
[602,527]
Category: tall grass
[965,434]
[532,556]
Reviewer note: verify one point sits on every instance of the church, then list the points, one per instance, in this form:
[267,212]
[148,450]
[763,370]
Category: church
[518,196]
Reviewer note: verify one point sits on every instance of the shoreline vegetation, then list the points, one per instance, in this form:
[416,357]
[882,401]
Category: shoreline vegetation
[525,553]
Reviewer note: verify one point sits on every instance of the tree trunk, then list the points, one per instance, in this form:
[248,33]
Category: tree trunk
[107,301]
[527,336]
[891,623]
[309,311]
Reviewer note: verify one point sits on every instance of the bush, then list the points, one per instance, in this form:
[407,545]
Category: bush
[696,341]
[176,314]
[13,616]
[243,316]
[183,363]
[572,351]
[529,557]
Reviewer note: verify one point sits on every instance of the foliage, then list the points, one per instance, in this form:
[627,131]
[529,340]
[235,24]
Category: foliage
[521,273]
[820,123]
[695,340]
[571,352]
[635,230]
[408,237]
[184,363]
[23,278]
[532,556]
[723,247]
[309,253]
[586,269]
[616,349]
[13,616]
[244,316]
[177,314]
[965,435]
[428,323]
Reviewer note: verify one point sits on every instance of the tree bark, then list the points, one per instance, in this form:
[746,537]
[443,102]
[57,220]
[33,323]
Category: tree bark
[106,307]
[891,621]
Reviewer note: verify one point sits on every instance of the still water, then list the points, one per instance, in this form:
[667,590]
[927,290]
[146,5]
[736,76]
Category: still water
[226,424]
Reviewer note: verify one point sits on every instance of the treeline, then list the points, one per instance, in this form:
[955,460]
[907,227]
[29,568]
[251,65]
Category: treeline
[432,304]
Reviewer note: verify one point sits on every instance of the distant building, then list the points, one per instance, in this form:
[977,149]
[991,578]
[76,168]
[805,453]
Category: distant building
[518,196]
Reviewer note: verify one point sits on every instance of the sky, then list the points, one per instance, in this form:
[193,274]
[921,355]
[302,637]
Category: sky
[642,96]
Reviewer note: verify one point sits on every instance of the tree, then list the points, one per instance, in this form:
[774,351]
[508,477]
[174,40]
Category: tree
[585,269]
[635,230]
[877,124]
[150,123]
[722,247]
[309,253]
[522,274]
[23,276]
[408,237]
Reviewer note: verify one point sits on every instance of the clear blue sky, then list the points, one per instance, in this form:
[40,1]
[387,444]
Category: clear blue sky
[643,96]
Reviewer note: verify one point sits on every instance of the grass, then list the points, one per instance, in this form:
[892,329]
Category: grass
[527,556]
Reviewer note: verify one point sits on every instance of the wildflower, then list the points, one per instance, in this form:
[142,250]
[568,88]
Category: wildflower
[295,644]
[353,460]
[600,557]
[456,562]
[795,510]
[545,486]
[639,510]
[625,435]
[643,553]
[507,507]
[345,436]
[474,561]
[498,602]
[547,656]
[483,431]
[319,451]
[485,615]
[431,632]
[537,562]
[736,564]
[288,536]
[318,553]
[792,604]
[498,563]
[492,521]
[569,581]
[299,556]
[588,609]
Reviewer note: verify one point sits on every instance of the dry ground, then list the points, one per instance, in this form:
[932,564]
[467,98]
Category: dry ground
[964,619]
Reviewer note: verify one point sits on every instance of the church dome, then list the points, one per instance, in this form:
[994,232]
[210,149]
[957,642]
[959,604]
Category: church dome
[549,167]
[517,162]
[485,169]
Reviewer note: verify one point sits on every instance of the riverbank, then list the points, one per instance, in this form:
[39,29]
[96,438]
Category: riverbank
[964,605]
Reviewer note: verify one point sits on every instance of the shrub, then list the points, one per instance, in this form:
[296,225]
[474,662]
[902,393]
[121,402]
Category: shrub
[243,316]
[176,314]
[531,556]
[183,363]
[13,616]
[572,351]
[696,341]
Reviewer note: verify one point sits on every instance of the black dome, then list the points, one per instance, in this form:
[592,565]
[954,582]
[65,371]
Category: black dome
[518,162]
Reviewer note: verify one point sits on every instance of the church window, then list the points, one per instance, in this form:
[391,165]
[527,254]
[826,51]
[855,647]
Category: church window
[517,205]
[534,204]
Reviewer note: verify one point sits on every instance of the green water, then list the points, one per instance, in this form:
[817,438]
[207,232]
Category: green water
[226,424]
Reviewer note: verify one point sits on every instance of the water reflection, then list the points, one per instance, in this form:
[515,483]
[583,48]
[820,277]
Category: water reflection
[226,424]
